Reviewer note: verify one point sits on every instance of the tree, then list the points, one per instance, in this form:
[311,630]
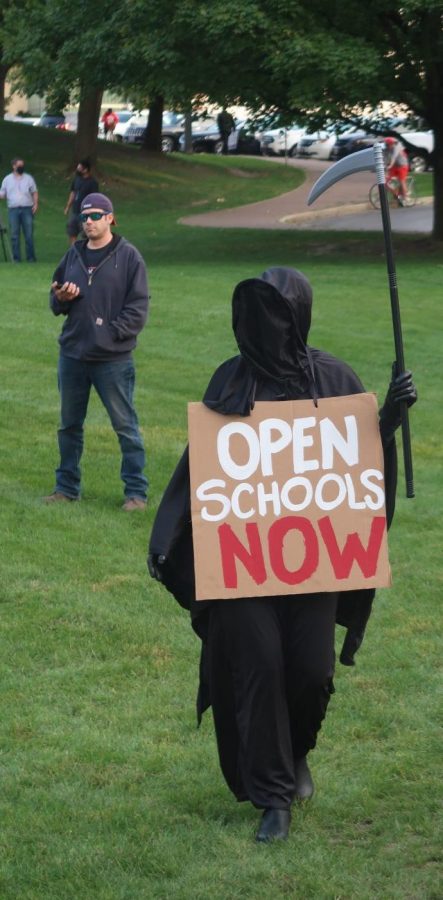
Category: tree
[327,59]
[4,65]
[68,51]
[289,58]
[189,49]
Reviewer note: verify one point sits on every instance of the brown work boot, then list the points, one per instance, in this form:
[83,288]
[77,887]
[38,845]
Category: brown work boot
[134,503]
[57,497]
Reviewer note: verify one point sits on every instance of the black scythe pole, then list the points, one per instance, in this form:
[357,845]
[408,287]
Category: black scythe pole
[372,160]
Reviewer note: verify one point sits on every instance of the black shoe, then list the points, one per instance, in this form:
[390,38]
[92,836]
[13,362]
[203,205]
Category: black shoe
[274,826]
[304,785]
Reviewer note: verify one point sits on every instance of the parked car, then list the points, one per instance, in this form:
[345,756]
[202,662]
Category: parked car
[319,144]
[206,138]
[281,141]
[172,128]
[124,118]
[414,131]
[419,159]
[22,120]
[358,139]
[47,120]
[351,142]
[242,140]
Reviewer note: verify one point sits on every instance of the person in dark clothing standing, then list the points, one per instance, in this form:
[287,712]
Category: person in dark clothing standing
[82,184]
[268,662]
[225,124]
[100,286]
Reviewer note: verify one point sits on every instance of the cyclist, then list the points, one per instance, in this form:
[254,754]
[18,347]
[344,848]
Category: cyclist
[397,165]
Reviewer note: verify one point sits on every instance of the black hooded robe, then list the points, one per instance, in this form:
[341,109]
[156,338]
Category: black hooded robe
[267,663]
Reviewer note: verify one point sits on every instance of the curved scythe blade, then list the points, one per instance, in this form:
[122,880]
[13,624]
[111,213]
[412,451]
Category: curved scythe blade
[355,162]
[371,160]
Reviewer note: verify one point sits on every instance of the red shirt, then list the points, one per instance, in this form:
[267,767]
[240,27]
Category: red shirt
[110,119]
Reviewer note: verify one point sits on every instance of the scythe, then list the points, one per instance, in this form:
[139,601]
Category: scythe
[372,160]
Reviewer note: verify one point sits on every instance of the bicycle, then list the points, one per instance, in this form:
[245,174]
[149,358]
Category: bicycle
[393,198]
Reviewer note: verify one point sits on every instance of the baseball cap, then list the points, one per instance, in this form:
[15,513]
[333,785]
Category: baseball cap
[98,201]
[389,141]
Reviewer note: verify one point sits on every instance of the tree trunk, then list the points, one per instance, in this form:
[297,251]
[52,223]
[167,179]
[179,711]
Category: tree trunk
[3,73]
[152,139]
[188,132]
[87,125]
[437,158]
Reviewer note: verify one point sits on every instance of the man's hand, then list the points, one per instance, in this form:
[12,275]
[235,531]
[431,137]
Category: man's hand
[34,209]
[155,565]
[65,292]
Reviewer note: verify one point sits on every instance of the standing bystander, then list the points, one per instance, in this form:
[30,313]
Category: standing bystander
[225,124]
[20,191]
[110,120]
[82,184]
[100,286]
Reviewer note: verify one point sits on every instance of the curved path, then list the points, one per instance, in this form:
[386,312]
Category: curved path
[344,207]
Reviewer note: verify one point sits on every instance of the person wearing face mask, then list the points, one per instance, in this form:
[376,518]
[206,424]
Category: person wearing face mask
[20,191]
[82,184]
[267,662]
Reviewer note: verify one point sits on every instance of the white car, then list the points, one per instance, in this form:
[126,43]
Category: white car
[281,141]
[319,144]
[420,160]
[22,120]
[423,139]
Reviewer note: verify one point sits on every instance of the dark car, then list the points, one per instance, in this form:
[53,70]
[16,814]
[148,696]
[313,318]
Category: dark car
[206,139]
[351,142]
[172,129]
[244,141]
[47,120]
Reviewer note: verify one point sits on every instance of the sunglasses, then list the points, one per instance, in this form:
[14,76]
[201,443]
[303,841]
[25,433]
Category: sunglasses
[94,216]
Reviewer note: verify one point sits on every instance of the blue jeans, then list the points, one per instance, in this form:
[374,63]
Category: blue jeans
[114,383]
[21,217]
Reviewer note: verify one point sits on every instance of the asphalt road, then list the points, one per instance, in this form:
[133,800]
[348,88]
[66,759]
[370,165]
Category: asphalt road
[345,207]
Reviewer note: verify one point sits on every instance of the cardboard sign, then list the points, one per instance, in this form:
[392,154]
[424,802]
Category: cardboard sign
[289,500]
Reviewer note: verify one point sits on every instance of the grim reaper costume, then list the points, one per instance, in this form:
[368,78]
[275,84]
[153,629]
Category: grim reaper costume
[267,663]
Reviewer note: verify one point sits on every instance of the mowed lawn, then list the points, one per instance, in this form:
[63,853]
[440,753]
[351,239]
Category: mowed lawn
[108,790]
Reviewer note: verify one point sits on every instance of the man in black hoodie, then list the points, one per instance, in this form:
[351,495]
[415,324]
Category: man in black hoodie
[267,662]
[100,286]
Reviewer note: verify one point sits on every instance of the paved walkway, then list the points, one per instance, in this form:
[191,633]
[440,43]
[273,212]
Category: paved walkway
[344,207]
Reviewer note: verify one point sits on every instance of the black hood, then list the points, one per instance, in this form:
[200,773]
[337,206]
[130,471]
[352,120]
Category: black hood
[271,317]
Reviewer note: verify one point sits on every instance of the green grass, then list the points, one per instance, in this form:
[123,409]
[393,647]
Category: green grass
[108,790]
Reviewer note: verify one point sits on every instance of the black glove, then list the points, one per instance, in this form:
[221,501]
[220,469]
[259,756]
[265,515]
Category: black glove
[155,564]
[401,388]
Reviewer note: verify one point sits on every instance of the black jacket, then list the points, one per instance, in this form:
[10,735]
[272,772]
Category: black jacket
[104,321]
[273,313]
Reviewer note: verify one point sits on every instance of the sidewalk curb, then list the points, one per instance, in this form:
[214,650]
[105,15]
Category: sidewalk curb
[345,209]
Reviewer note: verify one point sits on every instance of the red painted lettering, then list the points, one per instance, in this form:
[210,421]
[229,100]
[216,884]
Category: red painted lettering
[276,537]
[252,558]
[353,550]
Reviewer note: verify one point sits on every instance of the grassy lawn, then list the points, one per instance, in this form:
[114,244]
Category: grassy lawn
[108,790]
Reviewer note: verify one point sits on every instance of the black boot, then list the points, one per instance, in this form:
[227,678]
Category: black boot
[304,785]
[274,826]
